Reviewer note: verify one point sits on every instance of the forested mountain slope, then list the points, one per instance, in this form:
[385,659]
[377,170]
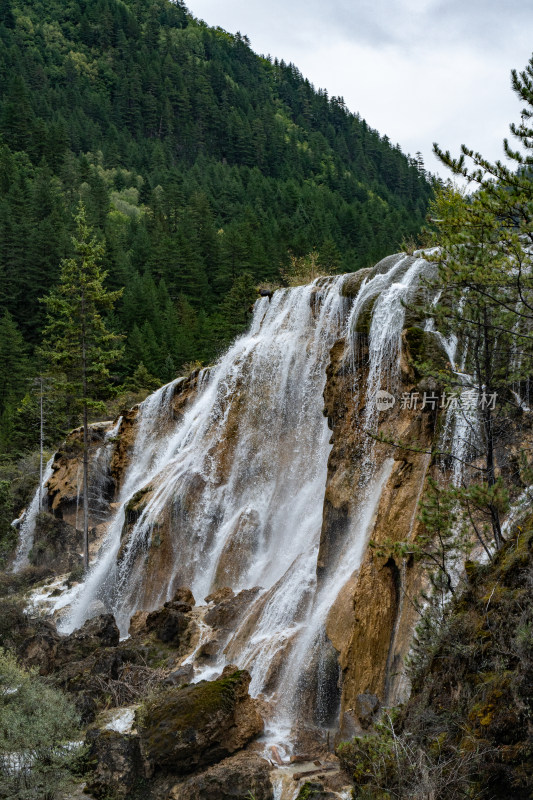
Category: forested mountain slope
[200,163]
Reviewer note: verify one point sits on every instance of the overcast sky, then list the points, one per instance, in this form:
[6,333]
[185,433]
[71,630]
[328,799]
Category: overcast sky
[417,70]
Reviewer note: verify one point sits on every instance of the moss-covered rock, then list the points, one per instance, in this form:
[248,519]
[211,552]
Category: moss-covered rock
[183,729]
[56,544]
[228,610]
[314,790]
[352,283]
[364,320]
[426,347]
[135,507]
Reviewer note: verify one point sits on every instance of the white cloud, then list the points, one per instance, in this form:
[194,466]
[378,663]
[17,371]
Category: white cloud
[417,70]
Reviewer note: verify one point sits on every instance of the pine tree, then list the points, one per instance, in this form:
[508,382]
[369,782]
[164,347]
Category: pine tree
[235,309]
[76,340]
[14,365]
[485,272]
[7,17]
[481,303]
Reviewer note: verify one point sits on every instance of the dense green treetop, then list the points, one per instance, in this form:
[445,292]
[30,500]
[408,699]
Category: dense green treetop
[197,160]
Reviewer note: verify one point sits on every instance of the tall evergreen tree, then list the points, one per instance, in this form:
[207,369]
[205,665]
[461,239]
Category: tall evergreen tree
[485,274]
[76,340]
[14,366]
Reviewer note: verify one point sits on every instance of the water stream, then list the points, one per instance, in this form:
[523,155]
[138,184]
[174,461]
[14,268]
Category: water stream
[232,490]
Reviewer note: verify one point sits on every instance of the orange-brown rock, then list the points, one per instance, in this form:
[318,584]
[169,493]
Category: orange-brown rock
[65,485]
[123,444]
[371,624]
[242,776]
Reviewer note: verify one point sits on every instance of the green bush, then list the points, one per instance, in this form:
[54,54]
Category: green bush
[8,535]
[394,763]
[38,731]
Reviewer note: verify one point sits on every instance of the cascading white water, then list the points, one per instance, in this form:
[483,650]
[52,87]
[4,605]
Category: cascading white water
[102,573]
[98,485]
[461,425]
[310,637]
[251,450]
[100,480]
[240,480]
[389,292]
[27,523]
[234,489]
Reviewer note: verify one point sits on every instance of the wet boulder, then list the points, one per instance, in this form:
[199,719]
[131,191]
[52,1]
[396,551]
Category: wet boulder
[170,623]
[184,729]
[220,594]
[315,790]
[238,778]
[117,763]
[180,676]
[229,610]
[210,650]
[138,623]
[184,595]
[352,282]
[96,633]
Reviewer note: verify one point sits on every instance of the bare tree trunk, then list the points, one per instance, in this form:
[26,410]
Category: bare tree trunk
[85,445]
[41,448]
[85,489]
[489,431]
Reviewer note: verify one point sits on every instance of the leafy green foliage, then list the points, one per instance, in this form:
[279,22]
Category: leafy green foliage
[8,536]
[485,278]
[197,161]
[77,342]
[38,728]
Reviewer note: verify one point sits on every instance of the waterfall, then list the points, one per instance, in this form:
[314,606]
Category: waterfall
[239,481]
[27,523]
[230,491]
[99,485]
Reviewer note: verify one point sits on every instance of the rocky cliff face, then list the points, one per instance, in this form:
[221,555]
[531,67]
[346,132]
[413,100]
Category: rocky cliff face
[258,484]
[370,624]
[465,730]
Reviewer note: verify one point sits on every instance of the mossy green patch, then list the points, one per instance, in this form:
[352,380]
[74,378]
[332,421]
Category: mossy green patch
[426,348]
[135,507]
[310,791]
[178,715]
[364,320]
[352,283]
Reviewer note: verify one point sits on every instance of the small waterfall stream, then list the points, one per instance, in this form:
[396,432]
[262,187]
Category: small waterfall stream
[27,523]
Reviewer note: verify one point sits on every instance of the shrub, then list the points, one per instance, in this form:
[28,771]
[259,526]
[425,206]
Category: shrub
[396,764]
[305,269]
[38,731]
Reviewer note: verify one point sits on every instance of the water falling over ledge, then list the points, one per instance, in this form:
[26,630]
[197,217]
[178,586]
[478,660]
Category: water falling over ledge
[231,492]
